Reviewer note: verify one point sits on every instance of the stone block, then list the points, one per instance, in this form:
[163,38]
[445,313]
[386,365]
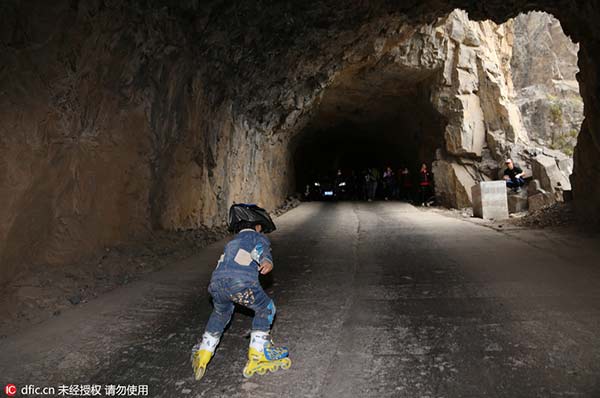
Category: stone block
[466,135]
[467,82]
[472,38]
[489,200]
[540,200]
[534,187]
[466,59]
[566,166]
[456,28]
[517,203]
[545,169]
[453,183]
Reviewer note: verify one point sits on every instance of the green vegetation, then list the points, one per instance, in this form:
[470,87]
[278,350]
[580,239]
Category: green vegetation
[556,114]
[565,142]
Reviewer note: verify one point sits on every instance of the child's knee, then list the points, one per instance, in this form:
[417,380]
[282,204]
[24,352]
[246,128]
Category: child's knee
[268,312]
[264,317]
[223,310]
[271,310]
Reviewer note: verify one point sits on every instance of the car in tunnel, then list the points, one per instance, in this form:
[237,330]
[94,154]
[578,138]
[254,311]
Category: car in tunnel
[327,188]
[321,189]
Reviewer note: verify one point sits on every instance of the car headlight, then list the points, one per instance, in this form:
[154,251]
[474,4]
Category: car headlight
[342,184]
[317,184]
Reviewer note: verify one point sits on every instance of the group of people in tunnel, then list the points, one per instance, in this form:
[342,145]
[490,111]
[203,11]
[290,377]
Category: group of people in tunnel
[374,183]
[398,185]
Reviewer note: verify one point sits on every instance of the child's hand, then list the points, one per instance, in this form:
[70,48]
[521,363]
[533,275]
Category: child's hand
[265,267]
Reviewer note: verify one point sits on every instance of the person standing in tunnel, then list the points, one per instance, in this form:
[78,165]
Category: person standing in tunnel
[235,281]
[406,184]
[389,183]
[424,184]
[371,179]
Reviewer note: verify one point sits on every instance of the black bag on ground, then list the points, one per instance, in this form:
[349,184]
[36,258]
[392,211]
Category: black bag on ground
[243,215]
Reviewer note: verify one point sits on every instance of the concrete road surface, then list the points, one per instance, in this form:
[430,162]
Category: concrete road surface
[374,300]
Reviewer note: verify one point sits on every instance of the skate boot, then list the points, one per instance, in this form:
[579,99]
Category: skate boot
[264,357]
[202,353]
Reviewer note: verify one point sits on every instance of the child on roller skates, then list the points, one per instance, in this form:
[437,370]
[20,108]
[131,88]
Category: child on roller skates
[235,281]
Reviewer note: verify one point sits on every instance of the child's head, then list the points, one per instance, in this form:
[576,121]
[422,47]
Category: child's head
[248,216]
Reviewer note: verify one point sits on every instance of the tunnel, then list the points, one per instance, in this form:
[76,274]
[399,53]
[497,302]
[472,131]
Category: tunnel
[128,128]
[369,119]
[184,109]
[163,128]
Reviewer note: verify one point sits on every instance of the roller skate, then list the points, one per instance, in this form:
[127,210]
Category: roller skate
[202,354]
[264,357]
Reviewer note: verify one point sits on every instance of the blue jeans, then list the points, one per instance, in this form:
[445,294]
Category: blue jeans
[517,182]
[226,292]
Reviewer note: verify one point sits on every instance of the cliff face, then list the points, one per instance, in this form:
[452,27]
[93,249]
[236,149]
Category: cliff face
[468,69]
[503,99]
[108,130]
[117,117]
[544,65]
[75,136]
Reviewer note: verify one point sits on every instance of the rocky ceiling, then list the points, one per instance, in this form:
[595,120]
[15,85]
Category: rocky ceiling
[117,117]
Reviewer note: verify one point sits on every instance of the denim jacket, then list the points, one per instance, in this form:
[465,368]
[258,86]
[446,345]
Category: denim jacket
[242,256]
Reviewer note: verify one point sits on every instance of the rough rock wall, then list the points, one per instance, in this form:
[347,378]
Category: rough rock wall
[75,141]
[486,110]
[544,68]
[107,130]
[121,116]
[467,66]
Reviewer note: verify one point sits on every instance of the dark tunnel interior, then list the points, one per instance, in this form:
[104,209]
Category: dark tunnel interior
[354,130]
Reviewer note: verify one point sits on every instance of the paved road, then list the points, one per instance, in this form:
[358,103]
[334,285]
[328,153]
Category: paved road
[386,300]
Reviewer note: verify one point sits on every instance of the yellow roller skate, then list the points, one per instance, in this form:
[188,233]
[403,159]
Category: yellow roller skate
[200,359]
[270,359]
[202,354]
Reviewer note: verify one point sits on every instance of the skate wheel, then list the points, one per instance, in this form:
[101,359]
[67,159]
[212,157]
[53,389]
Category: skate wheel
[247,373]
[262,371]
[286,363]
[275,368]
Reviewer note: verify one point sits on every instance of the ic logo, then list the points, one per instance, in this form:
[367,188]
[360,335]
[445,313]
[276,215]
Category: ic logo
[10,390]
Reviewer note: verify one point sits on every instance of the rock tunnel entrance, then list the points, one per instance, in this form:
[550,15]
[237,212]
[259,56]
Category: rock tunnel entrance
[162,117]
[128,128]
[369,119]
[459,95]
